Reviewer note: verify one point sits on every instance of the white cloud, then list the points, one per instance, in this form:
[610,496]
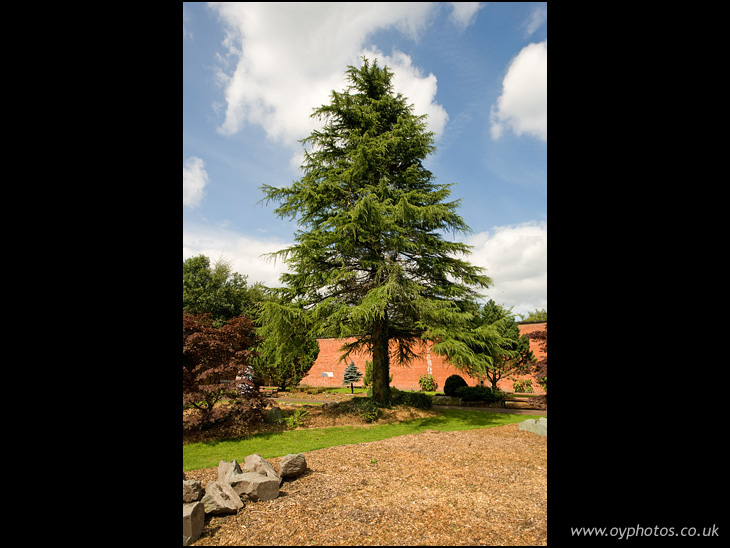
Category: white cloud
[286,61]
[194,180]
[464,13]
[522,107]
[242,251]
[515,257]
[536,20]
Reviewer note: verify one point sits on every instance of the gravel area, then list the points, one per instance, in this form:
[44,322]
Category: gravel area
[475,487]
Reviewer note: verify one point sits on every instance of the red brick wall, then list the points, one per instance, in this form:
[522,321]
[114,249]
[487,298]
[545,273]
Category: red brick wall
[404,378]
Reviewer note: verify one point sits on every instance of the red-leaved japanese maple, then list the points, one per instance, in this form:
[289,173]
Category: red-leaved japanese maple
[216,366]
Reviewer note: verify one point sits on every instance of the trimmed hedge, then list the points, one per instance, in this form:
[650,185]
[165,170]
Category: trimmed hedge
[452,383]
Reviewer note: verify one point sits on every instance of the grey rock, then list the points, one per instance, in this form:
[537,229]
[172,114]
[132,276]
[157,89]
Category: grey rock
[193,522]
[292,465]
[538,426]
[256,463]
[192,490]
[220,499]
[257,487]
[227,468]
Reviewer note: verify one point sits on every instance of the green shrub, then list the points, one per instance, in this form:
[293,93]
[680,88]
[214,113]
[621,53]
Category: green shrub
[411,399]
[427,383]
[472,393]
[452,383]
[366,408]
[479,393]
[524,386]
[295,419]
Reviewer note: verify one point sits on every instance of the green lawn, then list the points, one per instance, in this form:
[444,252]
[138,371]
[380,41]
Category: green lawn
[270,445]
[346,390]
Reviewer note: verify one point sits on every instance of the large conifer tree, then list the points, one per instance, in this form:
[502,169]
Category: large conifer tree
[371,260]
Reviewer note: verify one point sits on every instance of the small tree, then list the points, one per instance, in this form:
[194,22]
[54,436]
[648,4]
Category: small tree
[213,358]
[218,290]
[289,349]
[540,368]
[352,375]
[512,356]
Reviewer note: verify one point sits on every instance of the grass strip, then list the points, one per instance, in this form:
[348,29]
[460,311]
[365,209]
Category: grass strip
[276,444]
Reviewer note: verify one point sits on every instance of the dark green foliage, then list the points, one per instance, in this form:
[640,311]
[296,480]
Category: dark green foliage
[367,408]
[479,393]
[290,346]
[352,375]
[218,291]
[370,260]
[411,399]
[510,356]
[452,383]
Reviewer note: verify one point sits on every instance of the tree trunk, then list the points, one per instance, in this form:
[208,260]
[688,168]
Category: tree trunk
[381,365]
[494,379]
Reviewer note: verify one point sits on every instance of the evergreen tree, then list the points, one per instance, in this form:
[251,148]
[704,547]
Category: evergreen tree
[512,356]
[371,261]
[289,347]
[352,375]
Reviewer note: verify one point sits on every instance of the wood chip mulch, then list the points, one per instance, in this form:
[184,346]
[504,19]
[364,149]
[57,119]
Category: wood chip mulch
[475,487]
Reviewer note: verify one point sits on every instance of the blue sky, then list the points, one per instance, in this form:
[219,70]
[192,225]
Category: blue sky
[252,73]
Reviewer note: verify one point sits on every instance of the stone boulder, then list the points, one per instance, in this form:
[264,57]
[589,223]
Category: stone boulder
[256,463]
[258,487]
[259,481]
[193,522]
[225,469]
[221,499]
[192,490]
[292,465]
[538,426]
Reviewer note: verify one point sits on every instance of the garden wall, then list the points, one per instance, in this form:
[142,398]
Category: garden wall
[328,370]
